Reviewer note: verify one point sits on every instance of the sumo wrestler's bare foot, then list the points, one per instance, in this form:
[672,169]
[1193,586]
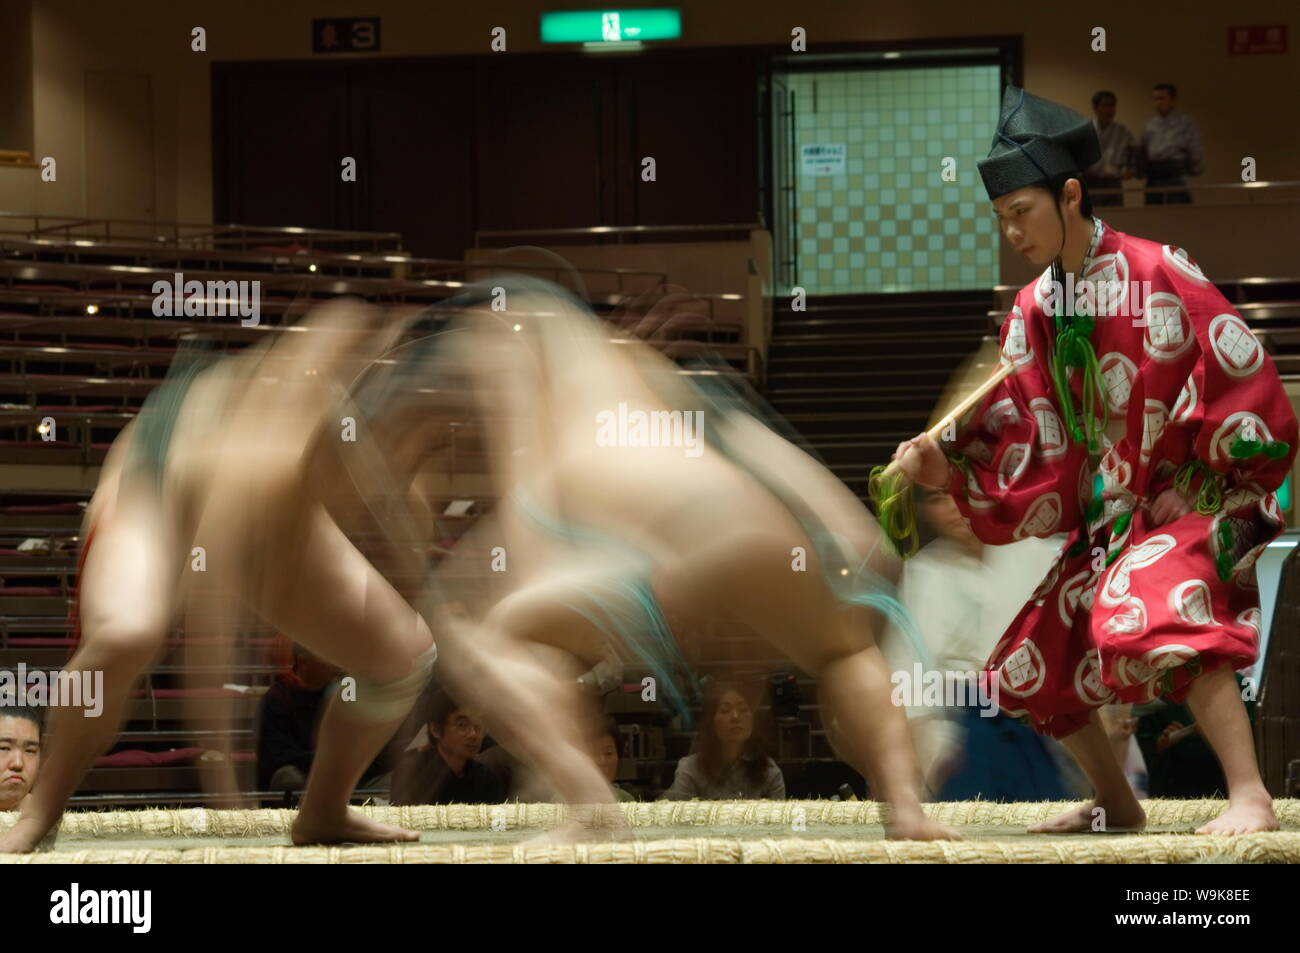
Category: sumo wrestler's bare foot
[353,827]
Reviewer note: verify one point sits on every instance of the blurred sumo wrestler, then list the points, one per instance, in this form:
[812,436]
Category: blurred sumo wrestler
[219,459]
[608,543]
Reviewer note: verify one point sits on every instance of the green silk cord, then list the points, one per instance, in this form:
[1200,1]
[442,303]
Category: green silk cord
[895,508]
[1243,449]
[1097,504]
[1210,495]
[1117,529]
[1074,349]
[896,505]
[1223,563]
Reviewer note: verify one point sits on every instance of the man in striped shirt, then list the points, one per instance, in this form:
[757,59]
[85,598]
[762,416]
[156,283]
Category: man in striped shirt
[1171,147]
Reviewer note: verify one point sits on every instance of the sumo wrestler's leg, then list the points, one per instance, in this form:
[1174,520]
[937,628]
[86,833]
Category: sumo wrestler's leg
[314,586]
[127,586]
[750,574]
[537,713]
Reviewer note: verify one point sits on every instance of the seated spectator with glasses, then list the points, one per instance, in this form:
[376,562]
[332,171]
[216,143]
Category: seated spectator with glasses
[446,771]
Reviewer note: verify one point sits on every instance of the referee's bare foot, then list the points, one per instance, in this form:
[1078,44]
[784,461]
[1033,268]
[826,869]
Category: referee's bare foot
[350,828]
[1102,815]
[1246,814]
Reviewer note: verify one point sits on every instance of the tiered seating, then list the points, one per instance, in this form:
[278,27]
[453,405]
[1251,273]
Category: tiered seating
[36,582]
[1277,325]
[857,374]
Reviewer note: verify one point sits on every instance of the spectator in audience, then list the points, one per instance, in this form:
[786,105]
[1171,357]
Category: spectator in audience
[730,760]
[606,755]
[523,784]
[1118,152]
[20,753]
[962,594]
[1171,148]
[286,722]
[1180,762]
[446,770]
[518,781]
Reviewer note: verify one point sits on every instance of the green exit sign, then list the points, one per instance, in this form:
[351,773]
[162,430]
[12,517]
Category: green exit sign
[611,26]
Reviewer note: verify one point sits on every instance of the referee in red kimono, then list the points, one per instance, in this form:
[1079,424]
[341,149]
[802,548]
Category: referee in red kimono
[1144,419]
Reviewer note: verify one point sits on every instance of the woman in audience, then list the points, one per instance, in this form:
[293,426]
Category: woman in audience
[730,760]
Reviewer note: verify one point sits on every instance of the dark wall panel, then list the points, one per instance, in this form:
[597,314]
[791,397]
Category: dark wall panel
[448,146]
[698,119]
[279,136]
[415,132]
[543,152]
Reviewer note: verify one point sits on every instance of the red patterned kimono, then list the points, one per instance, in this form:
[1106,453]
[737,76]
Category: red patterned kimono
[1129,610]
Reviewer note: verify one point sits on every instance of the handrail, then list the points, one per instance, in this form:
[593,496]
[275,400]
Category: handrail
[616,230]
[322,256]
[71,223]
[1252,192]
[20,415]
[465,266]
[409,267]
[172,797]
[285,282]
[416,268]
[165,734]
[197,231]
[1279,184]
[264,668]
[1000,289]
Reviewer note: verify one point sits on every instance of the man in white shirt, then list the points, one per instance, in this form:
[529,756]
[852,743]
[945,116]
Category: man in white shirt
[963,594]
[1171,147]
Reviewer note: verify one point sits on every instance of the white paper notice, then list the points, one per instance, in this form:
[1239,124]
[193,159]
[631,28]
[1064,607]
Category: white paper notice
[822,159]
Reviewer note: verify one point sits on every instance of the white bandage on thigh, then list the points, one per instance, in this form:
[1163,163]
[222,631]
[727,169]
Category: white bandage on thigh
[605,677]
[389,701]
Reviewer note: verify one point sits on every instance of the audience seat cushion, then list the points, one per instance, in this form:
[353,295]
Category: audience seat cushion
[132,758]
